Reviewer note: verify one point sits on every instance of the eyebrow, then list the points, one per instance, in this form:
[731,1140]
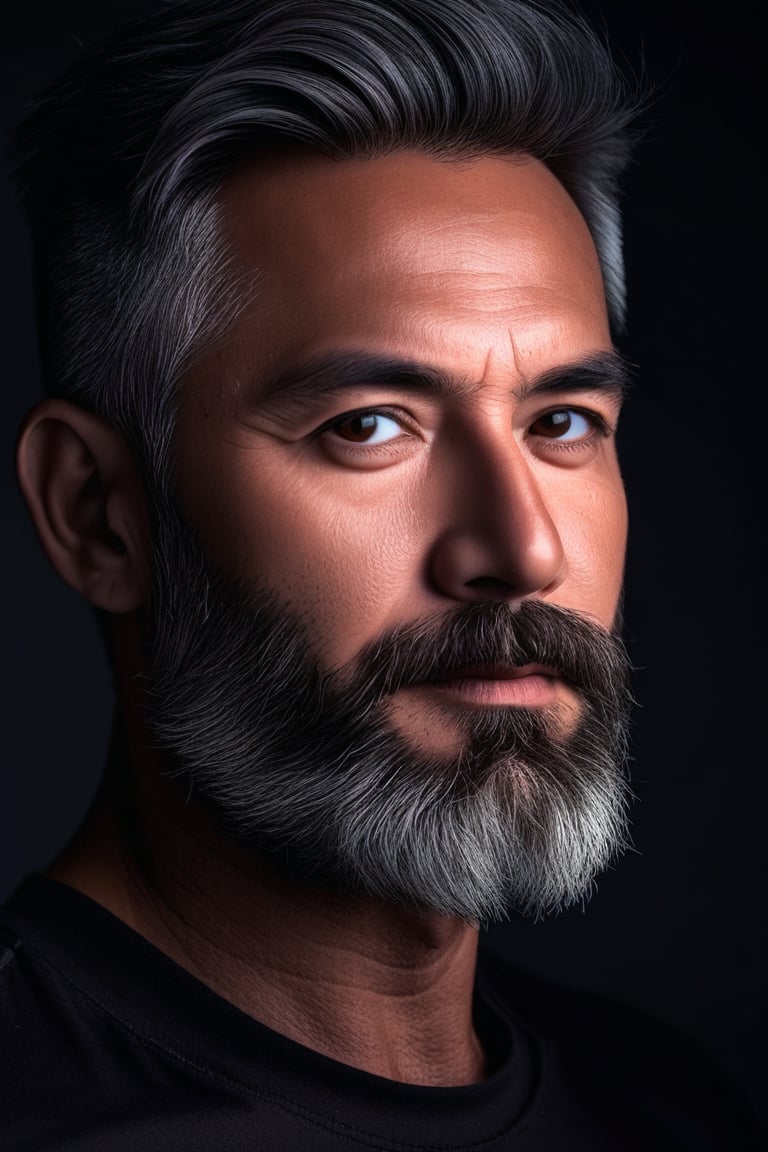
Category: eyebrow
[605,372]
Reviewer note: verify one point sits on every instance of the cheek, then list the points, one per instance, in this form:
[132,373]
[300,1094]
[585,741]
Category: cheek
[344,559]
[348,574]
[595,539]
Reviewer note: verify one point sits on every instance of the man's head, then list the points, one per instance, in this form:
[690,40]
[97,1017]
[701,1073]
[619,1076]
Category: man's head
[346,272]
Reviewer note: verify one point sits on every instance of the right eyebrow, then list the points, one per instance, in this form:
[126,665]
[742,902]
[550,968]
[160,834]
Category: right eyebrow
[336,371]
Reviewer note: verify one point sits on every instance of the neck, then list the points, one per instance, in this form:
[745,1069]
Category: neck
[379,987]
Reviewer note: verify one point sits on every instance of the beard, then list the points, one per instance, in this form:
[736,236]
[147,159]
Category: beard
[303,763]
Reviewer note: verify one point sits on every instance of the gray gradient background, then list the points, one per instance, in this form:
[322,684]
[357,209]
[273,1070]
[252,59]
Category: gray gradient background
[678,926]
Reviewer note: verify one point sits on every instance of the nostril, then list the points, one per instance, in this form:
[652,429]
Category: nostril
[490,585]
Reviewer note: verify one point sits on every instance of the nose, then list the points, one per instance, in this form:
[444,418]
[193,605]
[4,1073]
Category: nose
[499,541]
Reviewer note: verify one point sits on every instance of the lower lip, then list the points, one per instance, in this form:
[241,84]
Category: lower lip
[534,691]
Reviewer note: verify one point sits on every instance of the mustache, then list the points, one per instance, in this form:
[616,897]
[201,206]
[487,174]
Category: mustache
[592,658]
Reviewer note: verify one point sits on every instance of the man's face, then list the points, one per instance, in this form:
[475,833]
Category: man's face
[392,657]
[374,504]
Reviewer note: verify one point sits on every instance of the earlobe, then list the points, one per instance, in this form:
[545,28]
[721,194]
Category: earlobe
[86,498]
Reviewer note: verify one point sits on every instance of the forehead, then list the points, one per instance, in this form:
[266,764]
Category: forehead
[407,249]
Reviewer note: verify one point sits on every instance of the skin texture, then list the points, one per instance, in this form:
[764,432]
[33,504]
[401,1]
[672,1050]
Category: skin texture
[483,270]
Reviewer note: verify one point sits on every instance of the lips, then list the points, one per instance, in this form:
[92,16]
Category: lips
[497,685]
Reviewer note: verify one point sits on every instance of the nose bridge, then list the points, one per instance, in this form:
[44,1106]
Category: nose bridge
[498,538]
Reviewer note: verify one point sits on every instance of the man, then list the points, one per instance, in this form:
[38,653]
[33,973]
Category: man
[328,297]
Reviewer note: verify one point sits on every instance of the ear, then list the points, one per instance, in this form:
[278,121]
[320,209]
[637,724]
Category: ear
[86,498]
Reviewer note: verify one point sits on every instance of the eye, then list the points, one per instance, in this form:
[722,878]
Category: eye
[566,424]
[367,428]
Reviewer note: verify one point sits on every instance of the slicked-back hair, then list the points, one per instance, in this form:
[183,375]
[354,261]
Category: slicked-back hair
[120,162]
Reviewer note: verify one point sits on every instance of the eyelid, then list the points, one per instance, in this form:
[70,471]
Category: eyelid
[602,425]
[392,413]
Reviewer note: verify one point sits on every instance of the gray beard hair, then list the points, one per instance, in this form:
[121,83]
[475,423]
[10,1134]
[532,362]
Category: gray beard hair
[303,764]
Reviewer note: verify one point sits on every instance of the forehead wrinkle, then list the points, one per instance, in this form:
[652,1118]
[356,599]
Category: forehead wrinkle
[511,369]
[515,357]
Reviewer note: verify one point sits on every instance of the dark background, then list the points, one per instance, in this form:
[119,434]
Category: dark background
[678,926]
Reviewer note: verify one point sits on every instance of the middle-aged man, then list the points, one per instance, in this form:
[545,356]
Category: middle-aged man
[327,294]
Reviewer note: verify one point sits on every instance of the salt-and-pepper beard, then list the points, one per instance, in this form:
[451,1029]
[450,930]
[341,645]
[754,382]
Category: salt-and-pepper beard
[303,762]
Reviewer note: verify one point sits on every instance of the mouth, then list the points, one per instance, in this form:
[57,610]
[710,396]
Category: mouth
[500,685]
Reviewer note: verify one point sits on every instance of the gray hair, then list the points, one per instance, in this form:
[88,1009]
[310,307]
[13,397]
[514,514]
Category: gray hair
[121,160]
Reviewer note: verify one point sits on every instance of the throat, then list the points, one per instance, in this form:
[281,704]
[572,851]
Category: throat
[378,987]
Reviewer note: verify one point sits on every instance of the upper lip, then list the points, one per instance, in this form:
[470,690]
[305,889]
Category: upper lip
[497,672]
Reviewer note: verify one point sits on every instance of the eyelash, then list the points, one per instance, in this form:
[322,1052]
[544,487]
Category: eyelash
[601,427]
[395,414]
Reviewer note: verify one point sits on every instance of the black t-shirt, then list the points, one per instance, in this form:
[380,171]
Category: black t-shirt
[106,1045]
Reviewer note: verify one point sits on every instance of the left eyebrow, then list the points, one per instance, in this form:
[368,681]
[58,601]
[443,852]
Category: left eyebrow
[603,372]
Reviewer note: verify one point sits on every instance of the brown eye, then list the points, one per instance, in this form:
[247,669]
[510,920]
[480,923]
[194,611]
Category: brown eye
[564,424]
[367,428]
